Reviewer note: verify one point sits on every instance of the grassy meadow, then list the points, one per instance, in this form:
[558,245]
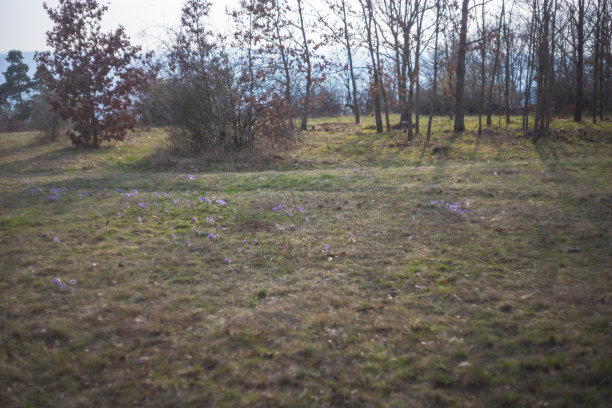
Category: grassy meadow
[345,269]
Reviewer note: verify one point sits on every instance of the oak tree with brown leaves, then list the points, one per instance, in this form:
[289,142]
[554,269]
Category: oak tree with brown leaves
[93,75]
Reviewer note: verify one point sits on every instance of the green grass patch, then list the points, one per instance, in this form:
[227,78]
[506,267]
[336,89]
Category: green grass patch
[348,269]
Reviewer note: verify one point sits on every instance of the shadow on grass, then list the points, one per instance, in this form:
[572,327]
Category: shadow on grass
[55,159]
[554,156]
[32,143]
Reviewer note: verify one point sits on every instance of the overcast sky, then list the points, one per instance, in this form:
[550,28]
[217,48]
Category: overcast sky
[23,23]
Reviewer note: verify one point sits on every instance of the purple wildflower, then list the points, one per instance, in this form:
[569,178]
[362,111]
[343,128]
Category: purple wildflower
[325,247]
[188,242]
[190,177]
[244,241]
[139,220]
[254,240]
[227,260]
[194,219]
[57,281]
[220,202]
[73,282]
[56,240]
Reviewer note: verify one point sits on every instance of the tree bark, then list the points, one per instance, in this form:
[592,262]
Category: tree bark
[350,60]
[304,124]
[460,78]
[507,72]
[368,15]
[432,104]
[580,63]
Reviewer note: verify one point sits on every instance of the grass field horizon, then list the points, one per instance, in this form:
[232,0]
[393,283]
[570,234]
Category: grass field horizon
[345,268]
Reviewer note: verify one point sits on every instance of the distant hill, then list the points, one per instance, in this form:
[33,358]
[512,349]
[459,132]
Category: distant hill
[28,58]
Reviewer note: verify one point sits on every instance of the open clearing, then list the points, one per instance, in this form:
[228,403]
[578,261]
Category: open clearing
[351,269]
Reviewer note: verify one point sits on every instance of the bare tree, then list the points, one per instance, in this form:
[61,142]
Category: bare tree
[460,85]
[343,35]
[579,25]
[434,85]
[544,14]
[370,39]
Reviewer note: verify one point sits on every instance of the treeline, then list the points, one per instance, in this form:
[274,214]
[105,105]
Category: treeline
[286,60]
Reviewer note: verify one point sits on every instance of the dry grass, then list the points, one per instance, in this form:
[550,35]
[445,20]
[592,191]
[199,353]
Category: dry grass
[507,304]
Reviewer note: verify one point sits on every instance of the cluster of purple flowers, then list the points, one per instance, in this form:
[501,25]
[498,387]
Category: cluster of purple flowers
[62,285]
[55,193]
[190,177]
[458,207]
[132,193]
[220,202]
[277,208]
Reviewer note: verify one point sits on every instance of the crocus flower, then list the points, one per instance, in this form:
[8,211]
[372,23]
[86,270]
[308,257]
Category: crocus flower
[56,240]
[325,247]
[227,260]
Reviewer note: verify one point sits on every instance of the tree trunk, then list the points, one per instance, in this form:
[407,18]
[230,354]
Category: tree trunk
[507,72]
[542,72]
[350,60]
[596,59]
[286,68]
[417,66]
[368,15]
[432,104]
[495,65]
[460,78]
[304,124]
[531,51]
[580,63]
[483,54]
